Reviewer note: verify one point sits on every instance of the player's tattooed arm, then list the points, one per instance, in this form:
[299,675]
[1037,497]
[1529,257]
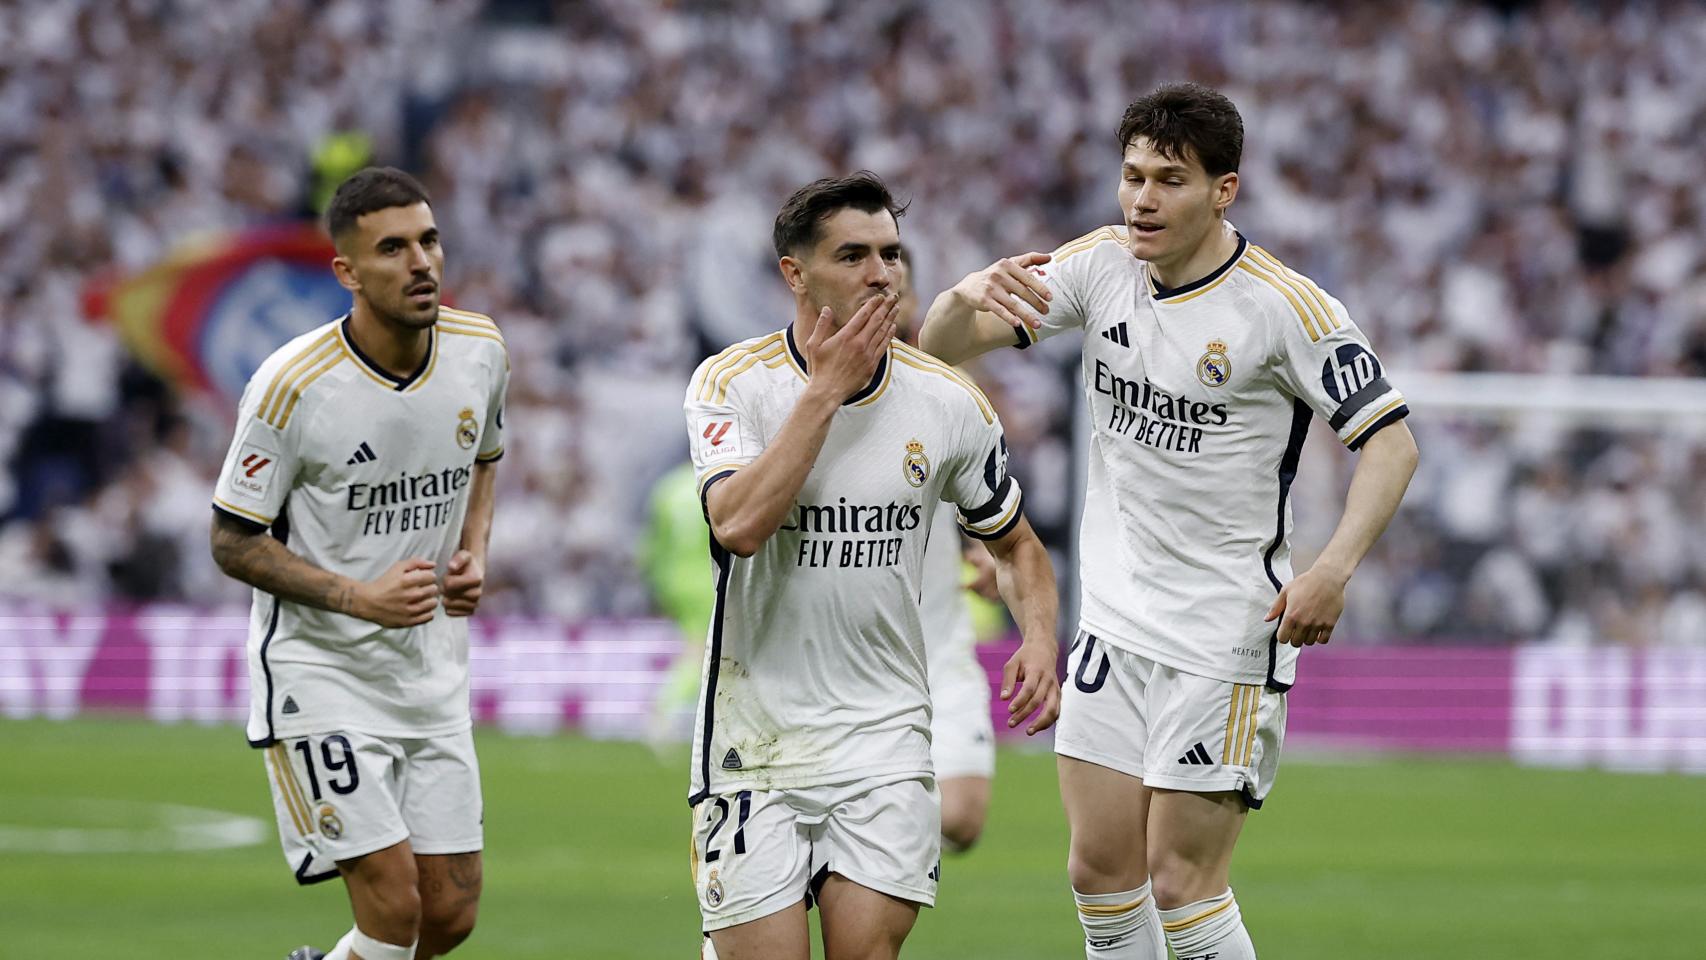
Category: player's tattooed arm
[1026,580]
[403,596]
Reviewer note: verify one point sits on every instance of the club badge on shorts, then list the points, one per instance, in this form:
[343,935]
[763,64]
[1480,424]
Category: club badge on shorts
[1214,368]
[916,465]
[713,891]
[330,826]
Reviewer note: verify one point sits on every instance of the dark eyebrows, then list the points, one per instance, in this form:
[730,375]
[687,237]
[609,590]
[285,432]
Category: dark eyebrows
[430,233]
[891,250]
[851,247]
[1165,170]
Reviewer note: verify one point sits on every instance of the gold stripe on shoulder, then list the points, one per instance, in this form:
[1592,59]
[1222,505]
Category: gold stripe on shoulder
[1087,242]
[467,316]
[464,332]
[285,384]
[290,365]
[1307,287]
[919,360]
[729,358]
[702,375]
[727,380]
[1303,314]
[301,388]
[952,374]
[448,322]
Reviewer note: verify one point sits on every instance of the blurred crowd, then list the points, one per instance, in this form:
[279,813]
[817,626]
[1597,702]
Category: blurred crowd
[1486,186]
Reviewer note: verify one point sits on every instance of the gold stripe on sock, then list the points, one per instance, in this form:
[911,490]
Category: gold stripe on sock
[1111,909]
[1174,926]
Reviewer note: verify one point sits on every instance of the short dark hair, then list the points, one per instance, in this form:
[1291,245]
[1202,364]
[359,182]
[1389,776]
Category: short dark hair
[1185,120]
[799,222]
[370,189]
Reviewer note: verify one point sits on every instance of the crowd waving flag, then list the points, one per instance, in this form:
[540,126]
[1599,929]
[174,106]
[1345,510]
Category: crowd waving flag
[209,313]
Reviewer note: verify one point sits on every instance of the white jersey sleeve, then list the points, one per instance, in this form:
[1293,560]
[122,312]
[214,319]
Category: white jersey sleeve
[262,462]
[492,437]
[988,498]
[723,434]
[1072,281]
[1328,364]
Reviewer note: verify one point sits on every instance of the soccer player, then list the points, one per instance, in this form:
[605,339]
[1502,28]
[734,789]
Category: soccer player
[357,500]
[1203,360]
[822,451]
[962,735]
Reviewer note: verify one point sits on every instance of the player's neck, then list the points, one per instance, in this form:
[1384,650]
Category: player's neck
[1216,248]
[399,350]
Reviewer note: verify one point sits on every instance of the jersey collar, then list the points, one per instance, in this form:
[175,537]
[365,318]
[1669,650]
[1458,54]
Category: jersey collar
[1201,284]
[387,377]
[867,392]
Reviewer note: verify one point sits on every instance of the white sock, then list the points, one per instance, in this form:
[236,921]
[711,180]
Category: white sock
[341,951]
[1208,928]
[707,950]
[358,944]
[1121,926]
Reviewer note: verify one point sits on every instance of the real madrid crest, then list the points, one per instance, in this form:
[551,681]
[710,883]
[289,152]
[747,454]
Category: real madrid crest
[467,428]
[916,466]
[330,826]
[714,891]
[1214,368]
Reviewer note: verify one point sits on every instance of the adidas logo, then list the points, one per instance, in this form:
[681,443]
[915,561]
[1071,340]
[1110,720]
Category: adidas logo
[731,760]
[1117,334]
[290,706]
[363,454]
[1197,756]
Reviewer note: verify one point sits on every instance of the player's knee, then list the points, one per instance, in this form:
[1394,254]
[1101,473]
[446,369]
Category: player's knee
[396,910]
[1103,869]
[446,926]
[960,833]
[1177,881]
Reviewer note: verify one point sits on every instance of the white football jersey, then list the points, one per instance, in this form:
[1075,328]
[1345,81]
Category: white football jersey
[950,639]
[354,470]
[815,662]
[1200,399]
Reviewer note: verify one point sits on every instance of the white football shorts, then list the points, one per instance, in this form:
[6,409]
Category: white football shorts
[962,735]
[341,795]
[757,852]
[1174,730]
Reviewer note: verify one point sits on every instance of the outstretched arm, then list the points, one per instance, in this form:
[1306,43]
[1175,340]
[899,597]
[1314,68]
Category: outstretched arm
[1026,580]
[982,311]
[1309,606]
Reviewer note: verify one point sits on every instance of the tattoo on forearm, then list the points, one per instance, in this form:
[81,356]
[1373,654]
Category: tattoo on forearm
[260,561]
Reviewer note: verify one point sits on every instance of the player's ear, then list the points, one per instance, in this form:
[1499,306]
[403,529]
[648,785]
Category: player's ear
[1225,191]
[793,273]
[345,272]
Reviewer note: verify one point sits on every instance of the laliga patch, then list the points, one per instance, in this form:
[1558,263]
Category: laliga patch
[254,472]
[717,437]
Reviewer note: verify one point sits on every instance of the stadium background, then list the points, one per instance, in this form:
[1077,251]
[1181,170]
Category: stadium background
[1502,194]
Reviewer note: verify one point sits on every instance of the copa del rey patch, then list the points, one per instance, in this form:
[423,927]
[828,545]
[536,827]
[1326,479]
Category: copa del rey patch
[254,472]
[717,437]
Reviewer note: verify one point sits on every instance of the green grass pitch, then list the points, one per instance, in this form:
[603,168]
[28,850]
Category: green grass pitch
[587,857]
